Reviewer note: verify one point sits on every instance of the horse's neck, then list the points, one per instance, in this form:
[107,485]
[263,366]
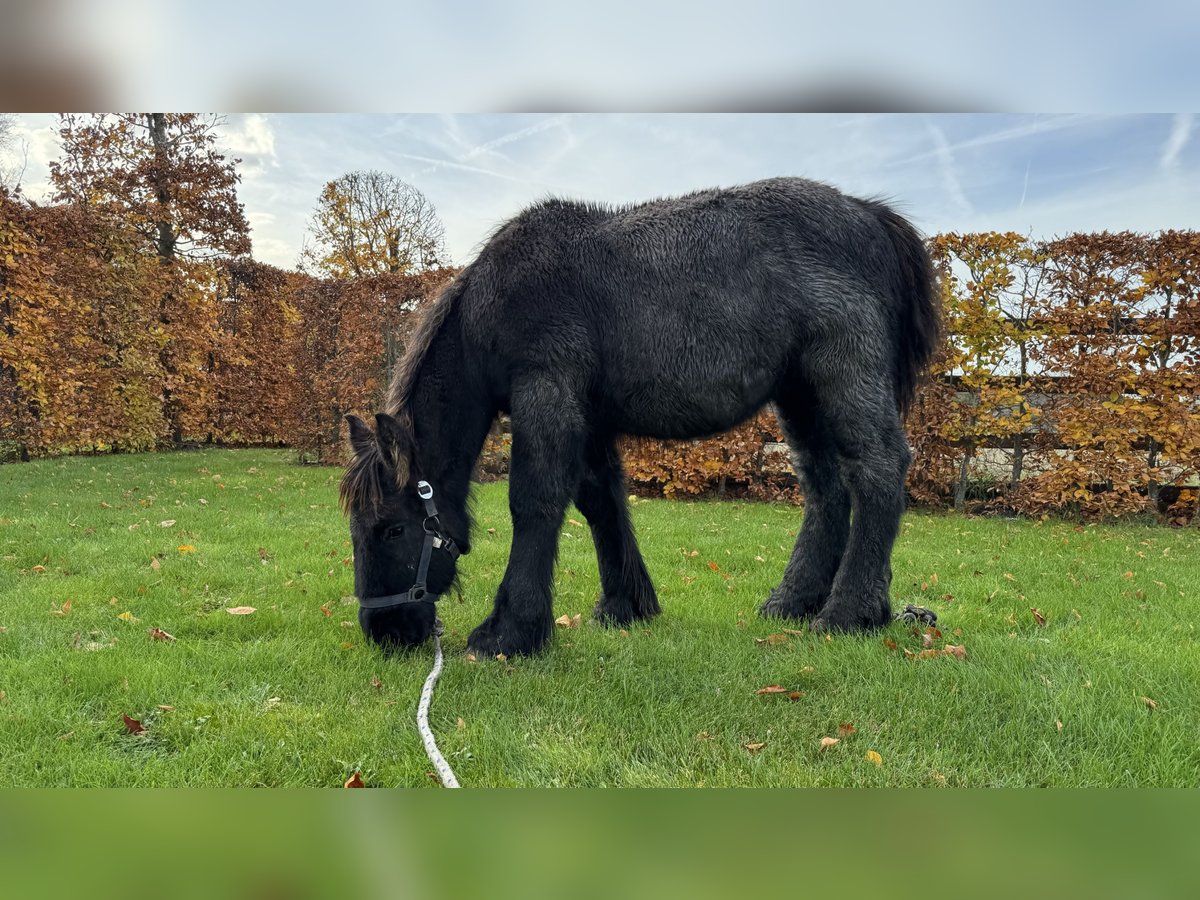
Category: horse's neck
[451,415]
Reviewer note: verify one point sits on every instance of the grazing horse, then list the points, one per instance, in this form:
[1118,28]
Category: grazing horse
[676,318]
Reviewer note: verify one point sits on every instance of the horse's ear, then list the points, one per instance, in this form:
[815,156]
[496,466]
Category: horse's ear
[396,442]
[361,436]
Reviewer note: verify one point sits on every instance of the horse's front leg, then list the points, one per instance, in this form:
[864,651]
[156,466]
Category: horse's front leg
[547,426]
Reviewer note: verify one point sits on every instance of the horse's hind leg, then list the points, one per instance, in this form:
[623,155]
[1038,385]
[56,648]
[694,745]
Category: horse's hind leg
[873,456]
[626,590]
[823,533]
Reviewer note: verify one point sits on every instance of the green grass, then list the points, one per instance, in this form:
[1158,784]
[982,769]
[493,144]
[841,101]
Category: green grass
[287,695]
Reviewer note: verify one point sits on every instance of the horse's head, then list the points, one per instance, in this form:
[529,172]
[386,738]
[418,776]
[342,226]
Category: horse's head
[402,559]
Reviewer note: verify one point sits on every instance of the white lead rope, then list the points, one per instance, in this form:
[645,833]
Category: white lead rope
[445,773]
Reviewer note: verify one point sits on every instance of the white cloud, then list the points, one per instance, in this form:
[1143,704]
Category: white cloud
[1181,130]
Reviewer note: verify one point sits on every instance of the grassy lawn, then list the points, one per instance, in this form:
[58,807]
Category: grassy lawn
[95,552]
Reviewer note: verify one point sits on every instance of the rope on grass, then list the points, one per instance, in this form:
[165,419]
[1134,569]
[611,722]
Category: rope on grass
[445,773]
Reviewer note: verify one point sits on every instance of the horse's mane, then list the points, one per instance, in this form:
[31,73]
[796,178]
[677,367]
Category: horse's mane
[363,482]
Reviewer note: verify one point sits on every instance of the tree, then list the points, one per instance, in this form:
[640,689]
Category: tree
[161,177]
[159,172]
[372,223]
[11,173]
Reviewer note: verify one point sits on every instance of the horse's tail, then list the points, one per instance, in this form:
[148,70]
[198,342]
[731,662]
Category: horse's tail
[918,305]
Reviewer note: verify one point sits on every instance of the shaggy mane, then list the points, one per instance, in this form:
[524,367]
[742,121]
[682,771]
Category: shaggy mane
[362,485]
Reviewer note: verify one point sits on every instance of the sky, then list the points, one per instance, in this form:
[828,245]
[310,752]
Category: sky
[1039,174]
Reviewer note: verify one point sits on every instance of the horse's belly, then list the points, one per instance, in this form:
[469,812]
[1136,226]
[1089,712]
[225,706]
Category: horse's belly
[665,408]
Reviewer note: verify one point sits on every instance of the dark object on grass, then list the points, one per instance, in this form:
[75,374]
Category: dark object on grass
[676,318]
[917,615]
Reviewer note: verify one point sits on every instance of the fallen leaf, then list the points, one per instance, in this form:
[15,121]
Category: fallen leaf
[166,707]
[39,569]
[773,639]
[1127,575]
[1038,617]
[470,657]
[712,565]
[1058,724]
[1149,703]
[155,564]
[575,522]
[845,729]
[502,657]
[623,633]
[240,610]
[959,651]
[355,781]
[273,702]
[889,643]
[159,635]
[873,757]
[62,610]
[827,742]
[927,640]
[167,523]
[755,746]
[1008,576]
[186,548]
[326,611]
[133,726]
[795,695]
[460,724]
[569,621]
[772,689]
[127,616]
[703,736]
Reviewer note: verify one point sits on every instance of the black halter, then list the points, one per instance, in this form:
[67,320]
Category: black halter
[434,538]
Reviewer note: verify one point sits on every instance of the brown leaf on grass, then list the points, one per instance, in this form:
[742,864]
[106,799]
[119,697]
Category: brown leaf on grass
[1037,616]
[773,639]
[827,742]
[795,695]
[1150,704]
[133,726]
[890,644]
[575,522]
[772,689]
[1127,575]
[159,635]
[712,565]
[240,610]
[376,683]
[62,610]
[501,657]
[326,611]
[569,621]
[355,781]
[38,569]
[167,523]
[754,746]
[155,564]
[845,729]
[927,640]
[959,651]
[873,757]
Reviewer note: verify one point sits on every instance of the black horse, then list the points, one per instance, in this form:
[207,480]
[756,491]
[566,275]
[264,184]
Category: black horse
[676,318]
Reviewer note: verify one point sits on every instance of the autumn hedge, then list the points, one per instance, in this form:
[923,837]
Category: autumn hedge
[1068,381]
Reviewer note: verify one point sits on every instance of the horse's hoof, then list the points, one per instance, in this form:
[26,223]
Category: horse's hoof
[778,607]
[489,640]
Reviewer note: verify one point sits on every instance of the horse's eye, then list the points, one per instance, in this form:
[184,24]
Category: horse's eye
[394,532]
